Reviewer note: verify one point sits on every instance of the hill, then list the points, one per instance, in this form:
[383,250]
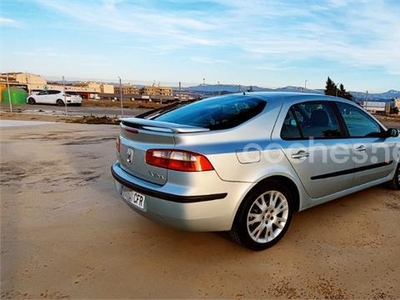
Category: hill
[210,89]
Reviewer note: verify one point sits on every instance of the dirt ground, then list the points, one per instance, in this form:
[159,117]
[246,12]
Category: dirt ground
[66,234]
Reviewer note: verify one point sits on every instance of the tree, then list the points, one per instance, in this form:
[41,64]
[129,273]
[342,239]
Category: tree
[332,90]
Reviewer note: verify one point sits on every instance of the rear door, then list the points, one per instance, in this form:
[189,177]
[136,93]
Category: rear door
[317,147]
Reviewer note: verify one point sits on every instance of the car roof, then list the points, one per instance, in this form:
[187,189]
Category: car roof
[294,97]
[290,95]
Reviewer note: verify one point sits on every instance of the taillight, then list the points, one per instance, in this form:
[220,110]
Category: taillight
[118,144]
[178,160]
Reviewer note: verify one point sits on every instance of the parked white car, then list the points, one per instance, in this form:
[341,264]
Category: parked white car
[55,97]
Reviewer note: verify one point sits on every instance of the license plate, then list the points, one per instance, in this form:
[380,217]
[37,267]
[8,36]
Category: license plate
[135,198]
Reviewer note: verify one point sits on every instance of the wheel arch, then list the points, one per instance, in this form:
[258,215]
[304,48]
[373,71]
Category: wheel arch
[287,182]
[236,232]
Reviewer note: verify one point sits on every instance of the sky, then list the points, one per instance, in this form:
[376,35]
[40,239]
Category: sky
[266,43]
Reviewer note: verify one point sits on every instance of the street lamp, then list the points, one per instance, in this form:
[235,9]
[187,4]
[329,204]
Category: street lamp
[204,87]
[120,96]
[9,93]
[65,96]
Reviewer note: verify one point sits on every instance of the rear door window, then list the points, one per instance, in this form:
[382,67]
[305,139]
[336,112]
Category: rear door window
[311,120]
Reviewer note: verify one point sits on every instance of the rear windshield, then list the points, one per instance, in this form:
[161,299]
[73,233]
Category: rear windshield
[72,93]
[216,113]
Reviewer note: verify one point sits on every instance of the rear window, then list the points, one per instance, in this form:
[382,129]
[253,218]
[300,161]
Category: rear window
[216,113]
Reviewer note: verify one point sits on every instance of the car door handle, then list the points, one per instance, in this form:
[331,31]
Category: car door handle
[361,148]
[300,154]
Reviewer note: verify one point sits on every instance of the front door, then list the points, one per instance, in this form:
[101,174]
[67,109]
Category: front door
[373,153]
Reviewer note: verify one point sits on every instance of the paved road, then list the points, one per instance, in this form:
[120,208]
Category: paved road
[17,123]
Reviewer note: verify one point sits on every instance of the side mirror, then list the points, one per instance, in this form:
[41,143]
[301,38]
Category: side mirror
[392,132]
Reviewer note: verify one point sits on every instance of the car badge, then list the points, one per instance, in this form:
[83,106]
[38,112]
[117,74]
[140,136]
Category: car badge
[129,154]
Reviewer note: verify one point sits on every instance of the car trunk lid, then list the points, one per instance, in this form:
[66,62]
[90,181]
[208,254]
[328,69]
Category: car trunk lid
[138,136]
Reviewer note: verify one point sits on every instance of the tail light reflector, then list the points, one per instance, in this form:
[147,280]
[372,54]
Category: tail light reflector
[178,160]
[118,144]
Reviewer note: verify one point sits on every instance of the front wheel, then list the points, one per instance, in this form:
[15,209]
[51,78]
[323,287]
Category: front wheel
[264,216]
[59,102]
[395,182]
[31,101]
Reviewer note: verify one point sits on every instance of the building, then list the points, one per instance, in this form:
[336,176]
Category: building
[88,90]
[26,81]
[126,89]
[158,91]
[397,103]
[32,83]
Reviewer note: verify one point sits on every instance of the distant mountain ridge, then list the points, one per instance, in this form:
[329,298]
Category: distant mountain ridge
[215,89]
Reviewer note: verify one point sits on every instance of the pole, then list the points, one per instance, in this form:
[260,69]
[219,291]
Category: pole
[9,94]
[65,97]
[305,85]
[204,87]
[120,96]
[180,91]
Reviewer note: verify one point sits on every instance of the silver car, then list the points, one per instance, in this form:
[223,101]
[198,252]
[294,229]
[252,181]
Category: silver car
[245,163]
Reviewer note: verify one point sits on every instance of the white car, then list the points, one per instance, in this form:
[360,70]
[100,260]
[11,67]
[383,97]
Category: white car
[55,97]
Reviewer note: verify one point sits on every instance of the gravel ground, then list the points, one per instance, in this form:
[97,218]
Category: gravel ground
[66,234]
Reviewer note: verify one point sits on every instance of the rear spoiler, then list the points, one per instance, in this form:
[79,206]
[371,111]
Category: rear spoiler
[160,126]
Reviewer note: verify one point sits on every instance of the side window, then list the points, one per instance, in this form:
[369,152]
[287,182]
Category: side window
[290,129]
[311,120]
[359,124]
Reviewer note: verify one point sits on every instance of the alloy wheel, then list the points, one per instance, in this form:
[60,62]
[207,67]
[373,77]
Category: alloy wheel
[267,216]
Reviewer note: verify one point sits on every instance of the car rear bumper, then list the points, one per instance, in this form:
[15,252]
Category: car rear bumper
[74,101]
[205,212]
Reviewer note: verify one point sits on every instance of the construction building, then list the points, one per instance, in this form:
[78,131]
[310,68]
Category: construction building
[88,90]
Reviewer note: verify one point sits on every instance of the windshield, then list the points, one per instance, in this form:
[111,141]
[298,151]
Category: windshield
[216,113]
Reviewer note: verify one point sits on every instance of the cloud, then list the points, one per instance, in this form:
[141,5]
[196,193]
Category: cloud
[6,22]
[357,33]
[208,60]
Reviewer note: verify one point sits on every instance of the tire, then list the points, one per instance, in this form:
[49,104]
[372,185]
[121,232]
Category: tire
[59,102]
[263,217]
[395,182]
[31,101]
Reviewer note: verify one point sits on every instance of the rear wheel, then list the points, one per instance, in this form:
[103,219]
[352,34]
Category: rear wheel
[31,101]
[263,217]
[395,182]
[59,102]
